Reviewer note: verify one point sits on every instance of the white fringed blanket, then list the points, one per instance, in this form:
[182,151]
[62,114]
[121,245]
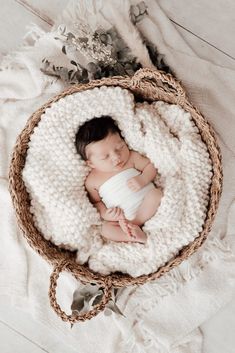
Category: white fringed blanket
[163,315]
[54,175]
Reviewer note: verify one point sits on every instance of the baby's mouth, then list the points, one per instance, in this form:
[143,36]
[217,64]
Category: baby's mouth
[119,164]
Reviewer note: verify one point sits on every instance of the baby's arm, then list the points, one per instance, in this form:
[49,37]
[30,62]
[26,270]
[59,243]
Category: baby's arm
[108,214]
[144,165]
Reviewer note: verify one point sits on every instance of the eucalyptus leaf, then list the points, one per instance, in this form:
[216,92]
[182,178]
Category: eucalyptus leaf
[73,63]
[92,67]
[135,10]
[83,40]
[142,7]
[113,33]
[140,18]
[46,64]
[86,307]
[77,304]
[132,17]
[63,73]
[62,29]
[70,35]
[117,310]
[84,74]
[97,299]
[77,76]
[70,73]
[73,76]
[118,293]
[49,73]
[115,291]
[112,306]
[70,49]
[97,75]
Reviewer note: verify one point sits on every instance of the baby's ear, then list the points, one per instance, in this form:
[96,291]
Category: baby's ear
[89,164]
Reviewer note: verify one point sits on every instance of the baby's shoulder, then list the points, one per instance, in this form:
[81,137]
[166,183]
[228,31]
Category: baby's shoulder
[139,160]
[90,181]
[134,155]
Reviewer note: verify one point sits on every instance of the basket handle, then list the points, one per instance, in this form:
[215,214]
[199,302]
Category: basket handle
[107,285]
[164,81]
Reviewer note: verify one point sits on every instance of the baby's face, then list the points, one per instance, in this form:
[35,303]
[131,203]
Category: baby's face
[109,154]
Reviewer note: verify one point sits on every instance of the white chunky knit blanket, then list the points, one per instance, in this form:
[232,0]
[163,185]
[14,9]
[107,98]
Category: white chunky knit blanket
[54,175]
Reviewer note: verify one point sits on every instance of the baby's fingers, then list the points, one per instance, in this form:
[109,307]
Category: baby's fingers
[133,187]
[118,212]
[112,211]
[130,184]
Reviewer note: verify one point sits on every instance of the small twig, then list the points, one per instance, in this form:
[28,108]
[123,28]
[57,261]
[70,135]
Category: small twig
[35,12]
[204,40]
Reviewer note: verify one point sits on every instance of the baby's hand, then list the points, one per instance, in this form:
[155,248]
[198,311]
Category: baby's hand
[136,183]
[113,214]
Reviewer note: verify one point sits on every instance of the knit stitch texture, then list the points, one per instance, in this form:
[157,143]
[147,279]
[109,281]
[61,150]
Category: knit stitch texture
[54,175]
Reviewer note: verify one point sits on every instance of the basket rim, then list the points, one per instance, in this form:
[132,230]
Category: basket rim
[144,83]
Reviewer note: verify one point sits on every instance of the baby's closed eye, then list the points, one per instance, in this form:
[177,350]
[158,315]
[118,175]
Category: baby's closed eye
[104,158]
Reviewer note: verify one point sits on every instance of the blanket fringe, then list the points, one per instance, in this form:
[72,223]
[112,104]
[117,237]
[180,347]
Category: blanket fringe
[171,282]
[12,60]
[152,293]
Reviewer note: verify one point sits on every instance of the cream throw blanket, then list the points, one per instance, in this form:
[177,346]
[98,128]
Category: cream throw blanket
[54,175]
[160,316]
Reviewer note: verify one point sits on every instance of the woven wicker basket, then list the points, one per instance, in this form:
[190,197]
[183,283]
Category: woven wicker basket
[148,85]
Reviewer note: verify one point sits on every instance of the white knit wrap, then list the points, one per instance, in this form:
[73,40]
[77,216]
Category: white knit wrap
[54,175]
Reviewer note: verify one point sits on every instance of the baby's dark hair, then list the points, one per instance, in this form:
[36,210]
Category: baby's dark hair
[93,130]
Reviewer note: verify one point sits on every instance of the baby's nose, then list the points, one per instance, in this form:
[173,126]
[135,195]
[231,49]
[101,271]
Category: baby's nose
[115,158]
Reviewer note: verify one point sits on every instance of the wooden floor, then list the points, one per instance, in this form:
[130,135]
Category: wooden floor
[209,28]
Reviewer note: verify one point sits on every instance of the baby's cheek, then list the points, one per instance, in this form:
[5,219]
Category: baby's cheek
[127,152]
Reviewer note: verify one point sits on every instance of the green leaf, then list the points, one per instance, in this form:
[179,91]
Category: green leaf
[84,74]
[117,310]
[73,63]
[70,74]
[142,7]
[77,304]
[97,299]
[70,35]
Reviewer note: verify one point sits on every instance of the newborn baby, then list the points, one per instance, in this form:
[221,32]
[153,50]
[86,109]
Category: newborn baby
[119,184]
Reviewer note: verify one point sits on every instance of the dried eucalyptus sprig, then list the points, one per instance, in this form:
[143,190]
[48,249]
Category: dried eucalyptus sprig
[109,53]
[86,298]
[95,45]
[138,11]
[68,75]
[105,51]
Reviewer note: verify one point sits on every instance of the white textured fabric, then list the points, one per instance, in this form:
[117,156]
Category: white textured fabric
[114,192]
[161,316]
[54,175]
